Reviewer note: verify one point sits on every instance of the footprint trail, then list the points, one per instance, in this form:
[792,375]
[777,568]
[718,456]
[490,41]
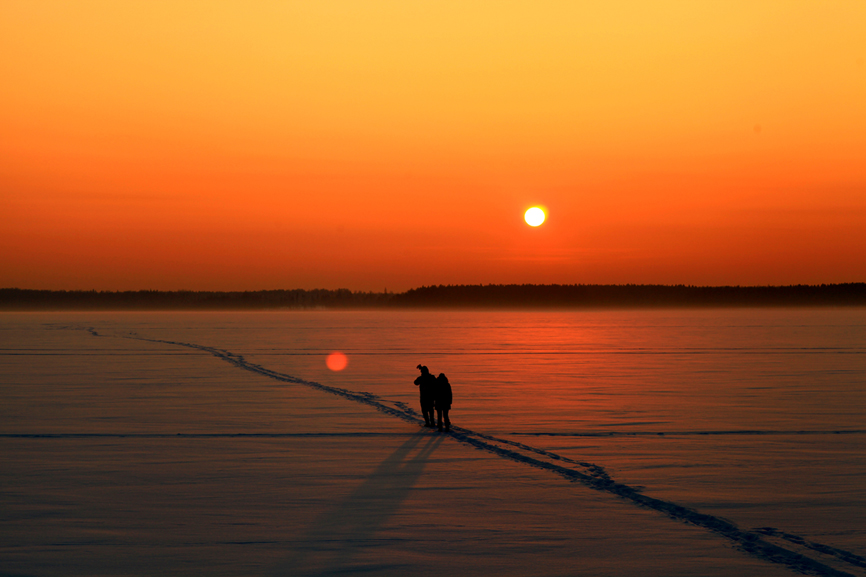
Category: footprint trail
[755,542]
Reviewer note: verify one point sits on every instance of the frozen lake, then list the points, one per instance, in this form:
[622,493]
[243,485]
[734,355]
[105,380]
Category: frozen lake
[674,442]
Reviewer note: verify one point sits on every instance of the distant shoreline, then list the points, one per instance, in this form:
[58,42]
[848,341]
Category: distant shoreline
[465,297]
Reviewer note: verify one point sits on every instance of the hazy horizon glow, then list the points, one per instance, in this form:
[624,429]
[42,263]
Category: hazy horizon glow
[225,146]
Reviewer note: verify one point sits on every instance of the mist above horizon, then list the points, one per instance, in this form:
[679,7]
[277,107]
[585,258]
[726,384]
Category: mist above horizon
[220,146]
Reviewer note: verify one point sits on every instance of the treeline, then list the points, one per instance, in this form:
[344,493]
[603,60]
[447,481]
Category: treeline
[441,297]
[629,296]
[24,300]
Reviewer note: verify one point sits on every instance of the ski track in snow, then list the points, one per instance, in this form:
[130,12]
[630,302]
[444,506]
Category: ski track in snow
[590,475]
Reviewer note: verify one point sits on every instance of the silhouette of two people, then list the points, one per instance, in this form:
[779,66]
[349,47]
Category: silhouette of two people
[435,394]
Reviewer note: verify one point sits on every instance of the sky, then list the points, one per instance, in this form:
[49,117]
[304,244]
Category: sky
[386,145]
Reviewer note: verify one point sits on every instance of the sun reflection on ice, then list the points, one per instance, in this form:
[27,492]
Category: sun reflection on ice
[337,361]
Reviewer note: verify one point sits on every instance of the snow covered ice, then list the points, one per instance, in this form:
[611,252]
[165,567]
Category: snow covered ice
[608,443]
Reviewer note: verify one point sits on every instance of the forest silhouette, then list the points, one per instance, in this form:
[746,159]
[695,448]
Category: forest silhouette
[526,296]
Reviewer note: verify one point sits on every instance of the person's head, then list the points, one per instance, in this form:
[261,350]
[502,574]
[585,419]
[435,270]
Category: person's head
[442,377]
[423,369]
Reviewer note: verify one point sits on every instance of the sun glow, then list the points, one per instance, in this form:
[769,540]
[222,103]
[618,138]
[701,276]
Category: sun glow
[534,216]
[325,131]
[337,361]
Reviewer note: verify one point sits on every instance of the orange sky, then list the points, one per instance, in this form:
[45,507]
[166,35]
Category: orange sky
[253,145]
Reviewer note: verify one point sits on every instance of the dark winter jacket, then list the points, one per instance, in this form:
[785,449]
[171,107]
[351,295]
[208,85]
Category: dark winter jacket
[427,387]
[443,393]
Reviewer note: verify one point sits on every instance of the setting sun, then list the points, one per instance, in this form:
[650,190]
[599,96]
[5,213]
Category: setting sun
[534,216]
[164,144]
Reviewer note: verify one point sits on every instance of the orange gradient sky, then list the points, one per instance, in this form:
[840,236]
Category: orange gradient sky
[254,145]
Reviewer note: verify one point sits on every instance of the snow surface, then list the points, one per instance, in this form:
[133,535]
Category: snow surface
[142,444]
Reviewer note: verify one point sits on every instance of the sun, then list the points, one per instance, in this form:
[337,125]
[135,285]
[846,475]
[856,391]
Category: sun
[534,216]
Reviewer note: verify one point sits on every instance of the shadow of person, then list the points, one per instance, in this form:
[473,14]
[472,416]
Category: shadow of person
[335,539]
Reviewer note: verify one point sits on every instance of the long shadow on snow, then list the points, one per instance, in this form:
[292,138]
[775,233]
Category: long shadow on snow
[592,475]
[335,540]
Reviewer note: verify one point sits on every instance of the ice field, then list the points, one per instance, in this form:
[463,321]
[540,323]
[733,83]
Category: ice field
[680,442]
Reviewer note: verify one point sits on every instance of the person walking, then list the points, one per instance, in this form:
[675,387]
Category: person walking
[443,401]
[426,384]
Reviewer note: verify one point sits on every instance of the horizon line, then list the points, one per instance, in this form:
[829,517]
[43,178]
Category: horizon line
[425,286]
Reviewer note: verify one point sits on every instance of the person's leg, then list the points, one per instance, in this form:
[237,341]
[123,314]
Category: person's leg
[447,420]
[439,417]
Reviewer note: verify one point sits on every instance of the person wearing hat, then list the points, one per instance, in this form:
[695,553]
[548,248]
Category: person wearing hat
[426,384]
